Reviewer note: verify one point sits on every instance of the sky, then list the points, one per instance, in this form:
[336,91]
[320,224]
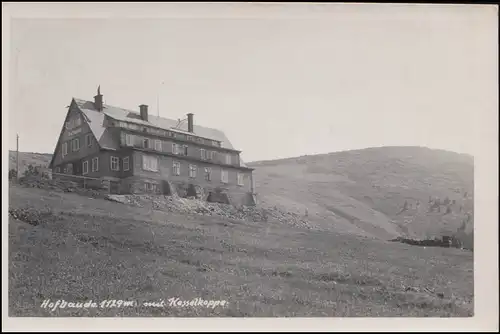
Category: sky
[280,81]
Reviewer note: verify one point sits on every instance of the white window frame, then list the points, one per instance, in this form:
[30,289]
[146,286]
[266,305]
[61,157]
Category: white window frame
[126,163]
[65,149]
[114,161]
[96,165]
[150,166]
[208,174]
[176,168]
[228,159]
[88,140]
[158,145]
[129,140]
[175,148]
[185,150]
[226,173]
[73,141]
[85,167]
[148,141]
[203,154]
[193,171]
[241,179]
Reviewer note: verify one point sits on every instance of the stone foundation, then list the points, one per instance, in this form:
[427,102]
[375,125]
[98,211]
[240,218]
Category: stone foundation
[136,185]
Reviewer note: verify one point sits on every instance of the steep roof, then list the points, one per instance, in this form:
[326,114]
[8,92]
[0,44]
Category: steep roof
[95,119]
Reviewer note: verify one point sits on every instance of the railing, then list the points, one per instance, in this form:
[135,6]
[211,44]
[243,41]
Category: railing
[85,181]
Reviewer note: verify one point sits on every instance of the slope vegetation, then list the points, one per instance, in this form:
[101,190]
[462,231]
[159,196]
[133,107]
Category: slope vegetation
[364,191]
[64,246]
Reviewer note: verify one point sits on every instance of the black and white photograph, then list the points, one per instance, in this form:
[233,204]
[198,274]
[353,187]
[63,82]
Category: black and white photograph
[250,160]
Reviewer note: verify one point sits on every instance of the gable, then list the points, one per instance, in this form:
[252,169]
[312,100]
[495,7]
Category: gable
[74,126]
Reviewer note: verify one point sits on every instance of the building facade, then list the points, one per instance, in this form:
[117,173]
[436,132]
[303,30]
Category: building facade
[134,152]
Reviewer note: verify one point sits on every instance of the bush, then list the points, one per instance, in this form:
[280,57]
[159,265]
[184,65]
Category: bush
[12,174]
[35,171]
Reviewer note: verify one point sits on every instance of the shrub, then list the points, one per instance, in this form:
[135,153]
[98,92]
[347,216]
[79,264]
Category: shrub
[12,174]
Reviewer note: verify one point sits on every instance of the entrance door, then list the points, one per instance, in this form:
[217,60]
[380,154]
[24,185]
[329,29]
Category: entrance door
[114,187]
[68,169]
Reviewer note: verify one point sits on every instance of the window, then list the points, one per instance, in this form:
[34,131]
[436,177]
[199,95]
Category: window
[184,150]
[175,148]
[95,164]
[126,163]
[224,176]
[75,144]
[129,140]
[158,145]
[150,187]
[58,169]
[203,154]
[73,123]
[88,140]
[189,138]
[115,163]
[68,169]
[150,163]
[208,173]
[145,143]
[64,149]
[192,171]
[210,155]
[228,159]
[176,168]
[85,168]
[215,143]
[241,179]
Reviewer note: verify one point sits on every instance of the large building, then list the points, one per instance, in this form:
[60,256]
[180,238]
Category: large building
[135,152]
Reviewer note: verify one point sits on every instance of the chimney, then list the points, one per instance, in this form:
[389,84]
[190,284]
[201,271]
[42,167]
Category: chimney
[98,99]
[190,122]
[144,112]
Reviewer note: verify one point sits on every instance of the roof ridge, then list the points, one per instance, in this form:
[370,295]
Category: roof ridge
[150,115]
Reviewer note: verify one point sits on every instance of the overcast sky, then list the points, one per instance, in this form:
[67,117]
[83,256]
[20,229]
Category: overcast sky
[327,78]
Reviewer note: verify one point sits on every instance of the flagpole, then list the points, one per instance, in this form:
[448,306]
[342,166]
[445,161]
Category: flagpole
[17,156]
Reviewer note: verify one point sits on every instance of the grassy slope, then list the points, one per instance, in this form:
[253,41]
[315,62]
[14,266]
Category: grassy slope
[100,250]
[362,191]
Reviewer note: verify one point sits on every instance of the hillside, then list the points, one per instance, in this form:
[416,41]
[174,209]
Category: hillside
[80,249]
[363,191]
[27,158]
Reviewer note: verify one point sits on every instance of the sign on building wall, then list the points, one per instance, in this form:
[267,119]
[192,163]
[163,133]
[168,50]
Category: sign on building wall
[74,132]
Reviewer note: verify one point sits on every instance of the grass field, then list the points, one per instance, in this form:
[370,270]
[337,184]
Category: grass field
[90,249]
